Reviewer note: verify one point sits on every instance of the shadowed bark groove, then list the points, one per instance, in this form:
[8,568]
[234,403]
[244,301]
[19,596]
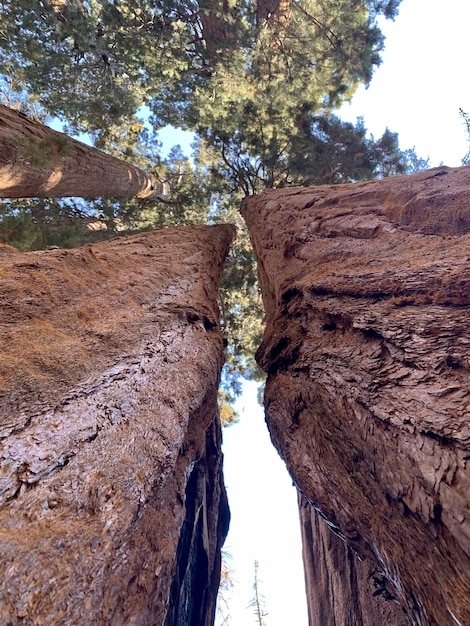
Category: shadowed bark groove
[110,438]
[367,292]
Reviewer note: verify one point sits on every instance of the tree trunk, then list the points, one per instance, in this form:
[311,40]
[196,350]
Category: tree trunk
[343,590]
[38,161]
[112,503]
[274,13]
[367,293]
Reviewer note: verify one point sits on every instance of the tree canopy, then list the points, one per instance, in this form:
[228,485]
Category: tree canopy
[257,83]
[96,63]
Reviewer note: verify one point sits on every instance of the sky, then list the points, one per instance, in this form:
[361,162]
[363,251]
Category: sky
[417,91]
[423,81]
[264,524]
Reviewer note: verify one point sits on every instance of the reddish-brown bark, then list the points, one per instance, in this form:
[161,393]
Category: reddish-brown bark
[367,292]
[112,504]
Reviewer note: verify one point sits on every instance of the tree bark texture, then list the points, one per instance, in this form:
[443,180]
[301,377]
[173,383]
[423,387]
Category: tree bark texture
[343,589]
[367,292]
[112,503]
[38,161]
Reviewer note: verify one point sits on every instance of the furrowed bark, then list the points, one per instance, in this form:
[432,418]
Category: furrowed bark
[112,503]
[367,293]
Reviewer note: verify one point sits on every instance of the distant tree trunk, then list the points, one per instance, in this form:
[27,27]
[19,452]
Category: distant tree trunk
[258,601]
[38,161]
[274,13]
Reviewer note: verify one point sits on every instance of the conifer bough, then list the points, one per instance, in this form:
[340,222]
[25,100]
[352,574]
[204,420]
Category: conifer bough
[36,161]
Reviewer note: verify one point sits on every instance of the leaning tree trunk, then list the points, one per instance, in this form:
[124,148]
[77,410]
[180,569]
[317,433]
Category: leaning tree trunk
[38,161]
[112,503]
[367,294]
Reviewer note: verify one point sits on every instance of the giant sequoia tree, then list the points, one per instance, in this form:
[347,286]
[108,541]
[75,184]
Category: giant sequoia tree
[256,83]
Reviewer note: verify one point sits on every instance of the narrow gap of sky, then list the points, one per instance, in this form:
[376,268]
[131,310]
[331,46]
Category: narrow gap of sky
[264,525]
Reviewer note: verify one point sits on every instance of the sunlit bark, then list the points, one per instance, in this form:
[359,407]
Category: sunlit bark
[38,161]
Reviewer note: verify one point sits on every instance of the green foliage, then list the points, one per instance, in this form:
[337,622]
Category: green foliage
[202,65]
[330,151]
[36,223]
[306,59]
[13,94]
[45,152]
